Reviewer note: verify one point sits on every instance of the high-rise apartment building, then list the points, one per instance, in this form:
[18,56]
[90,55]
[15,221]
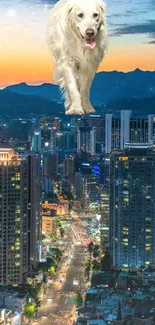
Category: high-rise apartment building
[87,190]
[48,137]
[86,139]
[127,128]
[96,121]
[112,132]
[19,215]
[34,207]
[50,165]
[36,141]
[104,221]
[13,217]
[132,206]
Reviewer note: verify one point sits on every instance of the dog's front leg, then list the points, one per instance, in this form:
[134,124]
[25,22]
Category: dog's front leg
[72,89]
[85,84]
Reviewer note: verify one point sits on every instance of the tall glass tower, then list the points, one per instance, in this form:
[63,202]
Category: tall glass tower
[132,206]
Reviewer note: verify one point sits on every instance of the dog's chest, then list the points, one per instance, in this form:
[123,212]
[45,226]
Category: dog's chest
[86,59]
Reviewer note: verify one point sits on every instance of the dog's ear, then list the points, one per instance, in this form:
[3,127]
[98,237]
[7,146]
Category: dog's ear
[69,7]
[102,6]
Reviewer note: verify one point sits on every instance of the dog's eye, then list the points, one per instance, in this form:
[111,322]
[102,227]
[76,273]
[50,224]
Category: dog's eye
[95,15]
[80,15]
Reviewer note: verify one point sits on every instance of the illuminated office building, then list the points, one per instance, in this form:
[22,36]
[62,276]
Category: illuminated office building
[127,128]
[132,206]
[13,217]
[50,165]
[36,141]
[87,187]
[86,139]
[19,215]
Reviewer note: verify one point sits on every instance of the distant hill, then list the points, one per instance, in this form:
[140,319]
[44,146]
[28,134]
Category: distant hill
[107,86]
[111,91]
[139,106]
[16,105]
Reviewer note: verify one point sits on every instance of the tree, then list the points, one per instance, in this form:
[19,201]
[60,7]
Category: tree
[88,263]
[37,305]
[53,235]
[96,253]
[58,223]
[43,237]
[55,264]
[33,289]
[95,266]
[62,232]
[29,310]
[78,299]
[51,271]
[57,252]
[106,261]
[87,269]
[90,248]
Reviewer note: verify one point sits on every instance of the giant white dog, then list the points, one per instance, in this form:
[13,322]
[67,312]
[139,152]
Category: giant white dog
[77,40]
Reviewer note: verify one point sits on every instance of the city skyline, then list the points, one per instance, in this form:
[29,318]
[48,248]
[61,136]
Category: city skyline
[25,56]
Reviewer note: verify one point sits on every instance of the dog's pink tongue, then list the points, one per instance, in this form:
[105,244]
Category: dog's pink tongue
[90,43]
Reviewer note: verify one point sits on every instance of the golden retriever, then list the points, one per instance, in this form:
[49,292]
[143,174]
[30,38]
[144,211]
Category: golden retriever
[77,40]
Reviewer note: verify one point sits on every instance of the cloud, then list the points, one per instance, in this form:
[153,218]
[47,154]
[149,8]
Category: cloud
[143,28]
[151,42]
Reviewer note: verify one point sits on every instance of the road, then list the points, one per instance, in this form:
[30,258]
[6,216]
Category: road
[56,304]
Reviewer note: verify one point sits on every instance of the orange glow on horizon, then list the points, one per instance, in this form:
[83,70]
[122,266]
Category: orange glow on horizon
[36,67]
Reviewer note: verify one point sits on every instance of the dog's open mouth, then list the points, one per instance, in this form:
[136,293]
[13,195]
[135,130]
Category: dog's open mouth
[89,42]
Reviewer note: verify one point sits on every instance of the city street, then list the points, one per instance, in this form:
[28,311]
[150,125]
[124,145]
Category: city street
[58,307]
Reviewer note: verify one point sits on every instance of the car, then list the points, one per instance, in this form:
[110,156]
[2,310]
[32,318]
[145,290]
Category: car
[45,314]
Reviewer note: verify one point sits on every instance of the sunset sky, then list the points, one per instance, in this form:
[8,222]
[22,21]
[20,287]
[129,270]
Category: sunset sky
[24,53]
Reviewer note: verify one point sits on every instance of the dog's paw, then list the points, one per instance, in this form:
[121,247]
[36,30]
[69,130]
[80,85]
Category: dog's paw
[88,108]
[74,110]
[67,105]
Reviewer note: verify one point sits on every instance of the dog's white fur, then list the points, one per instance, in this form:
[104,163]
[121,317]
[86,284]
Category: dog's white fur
[75,63]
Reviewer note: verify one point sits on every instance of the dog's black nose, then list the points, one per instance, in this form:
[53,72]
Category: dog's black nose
[90,33]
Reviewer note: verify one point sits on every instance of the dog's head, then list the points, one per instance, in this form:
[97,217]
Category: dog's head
[85,18]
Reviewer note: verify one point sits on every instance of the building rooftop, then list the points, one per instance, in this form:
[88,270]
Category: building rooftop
[96,322]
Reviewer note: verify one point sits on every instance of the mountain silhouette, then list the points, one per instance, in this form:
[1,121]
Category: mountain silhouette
[106,87]
[17,105]
[110,92]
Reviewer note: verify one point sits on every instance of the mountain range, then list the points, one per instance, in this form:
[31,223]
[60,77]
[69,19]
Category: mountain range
[111,91]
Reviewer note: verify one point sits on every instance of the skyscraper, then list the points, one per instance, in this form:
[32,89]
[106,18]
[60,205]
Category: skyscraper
[87,189]
[132,206]
[36,141]
[112,132]
[34,207]
[86,139]
[50,165]
[20,198]
[13,217]
[125,127]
